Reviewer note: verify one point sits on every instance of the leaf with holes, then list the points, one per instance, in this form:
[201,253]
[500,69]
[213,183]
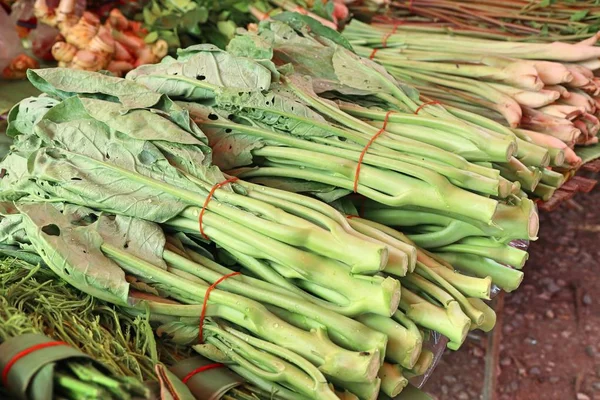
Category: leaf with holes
[231,149]
[23,116]
[12,231]
[274,110]
[91,165]
[142,239]
[64,83]
[199,70]
[138,124]
[73,252]
[363,74]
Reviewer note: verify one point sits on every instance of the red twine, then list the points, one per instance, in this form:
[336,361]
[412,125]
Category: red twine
[385,39]
[201,369]
[205,303]
[24,353]
[429,103]
[208,198]
[364,152]
[267,15]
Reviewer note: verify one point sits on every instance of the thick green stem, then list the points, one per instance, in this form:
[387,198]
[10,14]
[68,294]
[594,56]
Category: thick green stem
[552,178]
[392,380]
[544,192]
[397,190]
[424,363]
[500,148]
[431,269]
[450,322]
[409,252]
[253,316]
[404,345]
[272,363]
[485,247]
[515,170]
[353,335]
[372,293]
[506,278]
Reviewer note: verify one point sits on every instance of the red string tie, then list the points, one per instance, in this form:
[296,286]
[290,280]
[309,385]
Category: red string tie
[267,15]
[205,303]
[364,152]
[208,198]
[25,353]
[201,369]
[385,38]
[429,103]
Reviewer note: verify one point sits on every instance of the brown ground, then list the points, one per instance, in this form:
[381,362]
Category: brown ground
[550,345]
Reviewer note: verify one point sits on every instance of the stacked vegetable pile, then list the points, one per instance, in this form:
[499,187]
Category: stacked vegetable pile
[297,140]
[546,94]
[34,304]
[187,22]
[515,20]
[112,184]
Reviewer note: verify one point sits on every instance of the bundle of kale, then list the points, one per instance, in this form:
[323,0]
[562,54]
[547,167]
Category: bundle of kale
[266,107]
[112,184]
[106,181]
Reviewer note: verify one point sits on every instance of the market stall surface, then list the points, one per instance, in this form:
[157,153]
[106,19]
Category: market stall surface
[550,343]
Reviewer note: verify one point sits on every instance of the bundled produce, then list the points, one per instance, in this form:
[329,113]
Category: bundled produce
[99,161]
[286,136]
[117,46]
[515,20]
[33,304]
[544,93]
[34,301]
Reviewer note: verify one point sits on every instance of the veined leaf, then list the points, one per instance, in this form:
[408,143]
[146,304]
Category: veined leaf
[274,110]
[64,83]
[28,112]
[73,252]
[199,70]
[364,74]
[306,23]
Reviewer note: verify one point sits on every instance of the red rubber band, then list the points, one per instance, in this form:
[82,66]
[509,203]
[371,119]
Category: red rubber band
[24,353]
[352,216]
[205,303]
[364,152]
[385,39]
[201,369]
[429,103]
[208,198]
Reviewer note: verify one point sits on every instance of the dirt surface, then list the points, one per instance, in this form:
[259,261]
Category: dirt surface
[550,345]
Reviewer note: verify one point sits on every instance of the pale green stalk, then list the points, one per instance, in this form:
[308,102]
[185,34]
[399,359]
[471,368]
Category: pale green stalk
[371,293]
[486,247]
[254,317]
[353,335]
[450,322]
[404,345]
[431,269]
[506,278]
[392,380]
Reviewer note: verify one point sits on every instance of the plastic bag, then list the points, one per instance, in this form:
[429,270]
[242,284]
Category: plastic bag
[10,44]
